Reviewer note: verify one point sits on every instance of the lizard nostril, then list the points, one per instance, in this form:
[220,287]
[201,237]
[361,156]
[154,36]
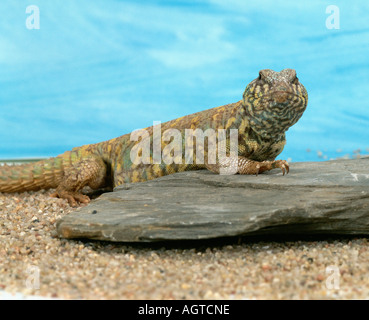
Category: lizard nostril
[281,97]
[282,88]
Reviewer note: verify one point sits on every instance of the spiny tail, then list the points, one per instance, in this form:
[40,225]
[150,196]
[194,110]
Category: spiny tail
[44,174]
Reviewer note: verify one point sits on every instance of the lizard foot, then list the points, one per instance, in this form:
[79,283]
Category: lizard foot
[255,167]
[73,198]
[87,172]
[243,165]
[282,164]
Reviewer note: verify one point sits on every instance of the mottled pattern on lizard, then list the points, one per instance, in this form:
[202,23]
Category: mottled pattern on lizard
[271,104]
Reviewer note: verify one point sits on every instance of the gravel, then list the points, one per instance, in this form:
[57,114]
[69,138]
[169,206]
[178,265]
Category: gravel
[34,261]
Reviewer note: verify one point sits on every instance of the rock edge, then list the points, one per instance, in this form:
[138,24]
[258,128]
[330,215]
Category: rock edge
[329,197]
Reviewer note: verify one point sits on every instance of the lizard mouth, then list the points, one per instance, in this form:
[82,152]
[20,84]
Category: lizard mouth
[277,92]
[281,96]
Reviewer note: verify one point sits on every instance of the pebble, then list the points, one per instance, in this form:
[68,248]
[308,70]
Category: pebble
[33,260]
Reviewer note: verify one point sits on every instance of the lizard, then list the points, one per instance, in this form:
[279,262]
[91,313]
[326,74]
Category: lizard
[270,105]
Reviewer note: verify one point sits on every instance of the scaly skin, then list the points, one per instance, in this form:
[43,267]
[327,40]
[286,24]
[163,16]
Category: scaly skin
[271,104]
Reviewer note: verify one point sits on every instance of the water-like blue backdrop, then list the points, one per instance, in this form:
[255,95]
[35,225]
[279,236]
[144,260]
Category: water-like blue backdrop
[97,69]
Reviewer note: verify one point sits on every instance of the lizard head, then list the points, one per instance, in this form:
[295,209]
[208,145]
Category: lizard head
[274,102]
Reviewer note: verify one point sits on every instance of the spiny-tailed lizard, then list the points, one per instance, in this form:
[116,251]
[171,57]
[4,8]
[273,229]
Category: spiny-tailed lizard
[271,104]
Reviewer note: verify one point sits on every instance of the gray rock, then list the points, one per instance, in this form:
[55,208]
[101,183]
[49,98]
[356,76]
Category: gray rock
[314,198]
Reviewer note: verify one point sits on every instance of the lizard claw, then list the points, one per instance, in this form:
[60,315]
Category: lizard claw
[73,198]
[282,164]
[257,170]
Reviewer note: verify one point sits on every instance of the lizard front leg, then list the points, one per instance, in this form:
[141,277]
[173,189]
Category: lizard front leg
[242,165]
[87,172]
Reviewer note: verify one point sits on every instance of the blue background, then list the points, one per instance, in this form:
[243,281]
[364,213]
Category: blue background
[98,69]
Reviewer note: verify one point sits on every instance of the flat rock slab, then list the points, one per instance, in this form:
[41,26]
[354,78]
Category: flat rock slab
[329,197]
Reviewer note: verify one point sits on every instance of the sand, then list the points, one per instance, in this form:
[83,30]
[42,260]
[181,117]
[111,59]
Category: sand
[35,261]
